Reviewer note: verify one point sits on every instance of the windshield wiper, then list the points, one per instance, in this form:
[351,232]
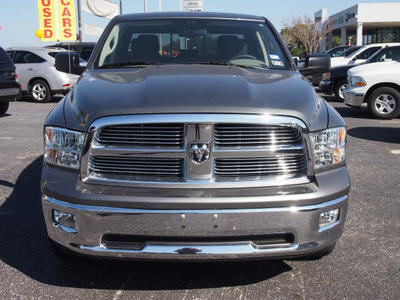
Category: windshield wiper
[126,64]
[224,63]
[214,63]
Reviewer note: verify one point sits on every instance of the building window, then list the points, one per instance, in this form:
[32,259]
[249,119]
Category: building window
[381,35]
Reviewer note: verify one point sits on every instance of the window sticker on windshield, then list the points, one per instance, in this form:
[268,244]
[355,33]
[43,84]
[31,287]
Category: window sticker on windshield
[274,57]
[277,63]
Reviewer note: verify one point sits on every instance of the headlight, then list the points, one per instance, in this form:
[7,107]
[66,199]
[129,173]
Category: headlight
[326,76]
[356,81]
[63,147]
[329,147]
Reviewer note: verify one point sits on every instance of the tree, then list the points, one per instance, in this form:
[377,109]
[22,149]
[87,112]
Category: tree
[294,45]
[307,32]
[286,36]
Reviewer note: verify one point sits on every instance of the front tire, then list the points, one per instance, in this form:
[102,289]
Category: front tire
[339,88]
[40,91]
[384,103]
[4,107]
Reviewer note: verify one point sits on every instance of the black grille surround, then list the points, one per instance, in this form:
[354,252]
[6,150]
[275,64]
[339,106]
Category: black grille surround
[191,152]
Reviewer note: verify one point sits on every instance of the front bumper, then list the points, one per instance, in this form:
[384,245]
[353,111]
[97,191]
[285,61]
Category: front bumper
[326,87]
[354,97]
[278,231]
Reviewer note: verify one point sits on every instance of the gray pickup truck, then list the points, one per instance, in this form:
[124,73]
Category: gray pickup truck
[193,136]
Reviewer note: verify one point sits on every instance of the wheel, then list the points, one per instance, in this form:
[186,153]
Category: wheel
[40,91]
[384,103]
[4,107]
[339,87]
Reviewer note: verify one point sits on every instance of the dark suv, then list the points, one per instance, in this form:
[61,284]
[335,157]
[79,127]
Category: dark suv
[10,89]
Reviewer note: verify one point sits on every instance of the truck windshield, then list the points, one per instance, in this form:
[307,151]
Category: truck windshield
[349,51]
[385,54]
[139,43]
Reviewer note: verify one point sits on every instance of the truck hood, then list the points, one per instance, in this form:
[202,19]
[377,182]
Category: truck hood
[339,61]
[381,67]
[192,89]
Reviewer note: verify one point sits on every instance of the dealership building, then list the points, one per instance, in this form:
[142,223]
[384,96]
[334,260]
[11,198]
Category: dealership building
[368,22]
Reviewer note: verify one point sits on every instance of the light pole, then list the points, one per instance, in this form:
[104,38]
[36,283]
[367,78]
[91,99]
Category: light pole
[145,5]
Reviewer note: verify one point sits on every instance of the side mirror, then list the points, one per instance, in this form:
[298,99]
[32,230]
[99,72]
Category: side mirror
[316,64]
[68,62]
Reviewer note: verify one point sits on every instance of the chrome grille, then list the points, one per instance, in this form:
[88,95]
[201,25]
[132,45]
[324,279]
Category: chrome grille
[255,135]
[258,168]
[137,168]
[143,135]
[157,151]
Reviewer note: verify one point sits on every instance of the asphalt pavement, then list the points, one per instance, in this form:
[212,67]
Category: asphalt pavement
[364,265]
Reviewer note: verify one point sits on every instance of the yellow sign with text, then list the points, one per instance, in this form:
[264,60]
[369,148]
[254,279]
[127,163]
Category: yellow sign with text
[47,20]
[66,20]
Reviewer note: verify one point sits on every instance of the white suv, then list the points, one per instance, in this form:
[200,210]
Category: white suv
[37,74]
[378,84]
[359,56]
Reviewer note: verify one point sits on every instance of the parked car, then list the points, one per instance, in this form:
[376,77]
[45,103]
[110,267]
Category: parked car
[37,74]
[335,81]
[214,148]
[360,55]
[10,89]
[336,51]
[377,84]
[84,49]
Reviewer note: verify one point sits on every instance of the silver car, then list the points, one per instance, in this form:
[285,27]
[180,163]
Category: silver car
[37,74]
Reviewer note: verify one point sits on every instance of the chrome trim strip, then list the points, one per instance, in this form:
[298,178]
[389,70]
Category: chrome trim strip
[277,181]
[324,228]
[64,228]
[103,209]
[195,249]
[200,119]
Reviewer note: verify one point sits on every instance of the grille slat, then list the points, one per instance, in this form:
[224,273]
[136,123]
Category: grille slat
[243,169]
[143,169]
[143,135]
[249,135]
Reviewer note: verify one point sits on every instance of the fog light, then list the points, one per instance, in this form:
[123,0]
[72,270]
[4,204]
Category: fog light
[328,218]
[64,219]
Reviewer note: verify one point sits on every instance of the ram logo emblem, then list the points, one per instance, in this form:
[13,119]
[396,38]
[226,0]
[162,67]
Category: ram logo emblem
[199,152]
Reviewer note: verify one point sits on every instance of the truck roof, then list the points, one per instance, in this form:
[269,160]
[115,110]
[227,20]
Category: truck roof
[205,15]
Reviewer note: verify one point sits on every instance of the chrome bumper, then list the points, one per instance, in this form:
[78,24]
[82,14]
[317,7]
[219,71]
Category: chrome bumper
[190,227]
[352,98]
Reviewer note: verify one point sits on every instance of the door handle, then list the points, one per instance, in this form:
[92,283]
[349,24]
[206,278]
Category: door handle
[30,69]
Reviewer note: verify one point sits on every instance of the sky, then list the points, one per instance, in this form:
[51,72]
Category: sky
[19,19]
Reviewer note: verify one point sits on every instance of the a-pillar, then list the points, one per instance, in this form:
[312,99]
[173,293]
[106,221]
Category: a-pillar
[359,34]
